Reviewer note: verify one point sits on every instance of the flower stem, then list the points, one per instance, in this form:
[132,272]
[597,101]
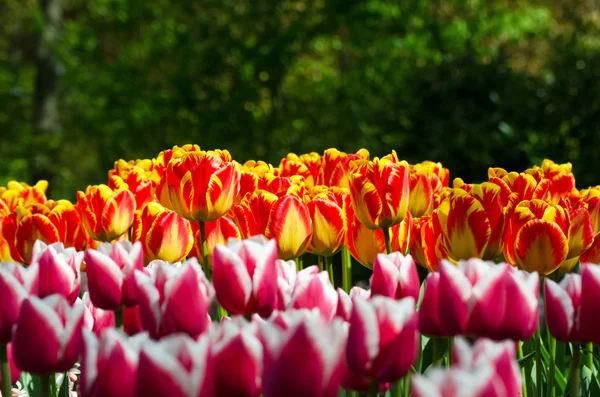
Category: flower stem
[346,269]
[388,242]
[438,351]
[551,365]
[374,389]
[589,355]
[204,249]
[406,385]
[538,362]
[320,262]
[53,391]
[299,264]
[329,267]
[575,371]
[119,318]
[6,379]
[519,356]
[45,382]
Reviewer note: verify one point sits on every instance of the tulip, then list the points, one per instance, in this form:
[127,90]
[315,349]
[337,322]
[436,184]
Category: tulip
[336,166]
[47,337]
[402,234]
[245,275]
[111,274]
[175,298]
[13,290]
[217,232]
[94,318]
[290,225]
[380,193]
[135,176]
[589,330]
[176,366]
[313,290]
[239,361]
[426,243]
[395,276]
[364,244]
[563,307]
[328,216]
[105,213]
[200,186]
[306,359]
[110,364]
[21,194]
[55,270]
[562,181]
[164,234]
[286,278]
[519,186]
[132,321]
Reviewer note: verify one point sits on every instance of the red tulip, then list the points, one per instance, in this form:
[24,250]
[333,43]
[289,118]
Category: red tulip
[12,293]
[313,290]
[109,366]
[395,276]
[47,336]
[175,298]
[306,358]
[110,272]
[383,339]
[239,361]
[245,275]
[55,270]
[176,366]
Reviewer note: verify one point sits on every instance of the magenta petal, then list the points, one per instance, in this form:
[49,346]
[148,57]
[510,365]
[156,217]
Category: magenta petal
[396,358]
[315,291]
[239,367]
[589,326]
[363,337]
[265,280]
[490,298]
[429,323]
[454,291]
[559,310]
[231,280]
[156,380]
[344,306]
[522,292]
[73,339]
[116,375]
[12,294]
[104,280]
[384,280]
[409,284]
[55,276]
[36,345]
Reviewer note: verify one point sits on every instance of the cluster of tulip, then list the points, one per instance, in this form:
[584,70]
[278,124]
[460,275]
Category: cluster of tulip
[146,254]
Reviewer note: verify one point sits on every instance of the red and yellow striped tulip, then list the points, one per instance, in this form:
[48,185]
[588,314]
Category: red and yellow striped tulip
[327,209]
[380,193]
[21,194]
[421,195]
[199,186]
[363,243]
[252,214]
[65,217]
[426,244]
[304,166]
[159,164]
[164,234]
[543,237]
[401,234]
[282,185]
[472,223]
[522,186]
[106,213]
[136,176]
[336,166]
[290,225]
[562,180]
[217,233]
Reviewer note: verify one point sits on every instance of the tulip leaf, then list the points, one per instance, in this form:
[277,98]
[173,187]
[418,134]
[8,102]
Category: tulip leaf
[31,383]
[64,386]
[525,359]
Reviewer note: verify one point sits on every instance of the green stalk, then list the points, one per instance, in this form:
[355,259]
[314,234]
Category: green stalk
[589,355]
[299,264]
[45,386]
[53,391]
[551,365]
[119,318]
[374,389]
[388,242]
[397,389]
[346,269]
[538,362]
[575,371]
[221,313]
[329,267]
[438,351]
[204,250]
[6,385]
[320,262]
[406,385]
[520,356]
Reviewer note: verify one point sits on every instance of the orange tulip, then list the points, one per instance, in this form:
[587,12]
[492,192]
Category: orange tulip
[543,237]
[217,233]
[105,213]
[336,167]
[380,193]
[199,186]
[472,223]
[164,234]
[328,214]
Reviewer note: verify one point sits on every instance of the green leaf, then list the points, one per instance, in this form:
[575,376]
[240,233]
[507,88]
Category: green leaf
[32,383]
[64,387]
[525,359]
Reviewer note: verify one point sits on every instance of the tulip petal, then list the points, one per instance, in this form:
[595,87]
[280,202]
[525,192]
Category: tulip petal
[540,246]
[559,311]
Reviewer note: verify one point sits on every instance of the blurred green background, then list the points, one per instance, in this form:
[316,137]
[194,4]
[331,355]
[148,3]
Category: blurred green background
[470,83]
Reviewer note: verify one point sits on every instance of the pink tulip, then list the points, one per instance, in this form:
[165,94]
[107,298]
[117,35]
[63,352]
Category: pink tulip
[395,276]
[313,289]
[563,307]
[286,278]
[175,298]
[481,298]
[487,369]
[176,366]
[358,291]
[239,361]
[12,294]
[589,327]
[383,338]
[245,275]
[109,366]
[110,272]
[95,319]
[47,336]
[305,359]
[56,270]
[344,305]
[132,321]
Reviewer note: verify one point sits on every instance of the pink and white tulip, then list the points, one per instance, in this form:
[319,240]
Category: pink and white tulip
[395,276]
[109,366]
[47,336]
[174,298]
[245,275]
[176,366]
[383,340]
[563,307]
[55,270]
[589,327]
[286,278]
[313,290]
[305,359]
[239,361]
[111,274]
[96,319]
[12,294]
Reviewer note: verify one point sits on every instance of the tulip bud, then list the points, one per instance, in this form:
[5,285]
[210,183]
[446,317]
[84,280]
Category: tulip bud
[176,366]
[395,276]
[109,366]
[313,290]
[47,336]
[245,275]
